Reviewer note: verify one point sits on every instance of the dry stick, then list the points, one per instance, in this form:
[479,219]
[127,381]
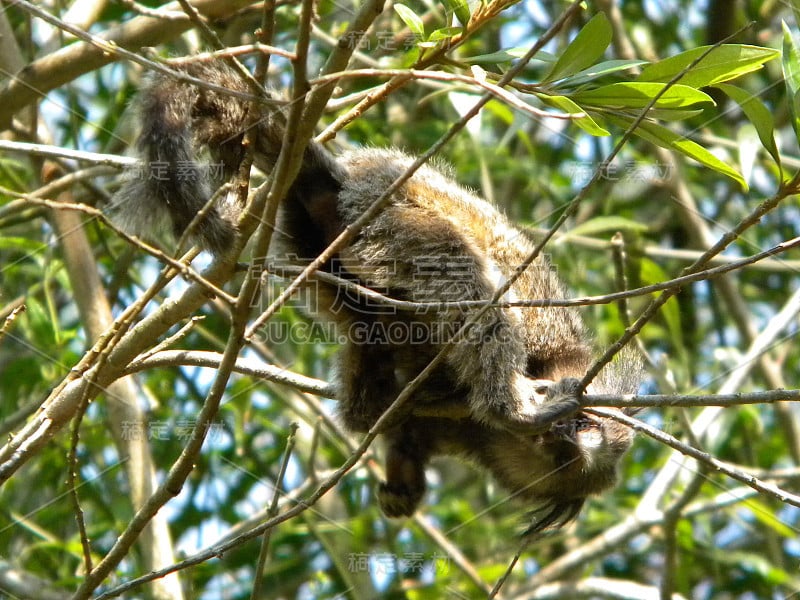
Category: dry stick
[110,48]
[258,580]
[704,457]
[181,265]
[545,303]
[12,316]
[507,573]
[498,91]
[228,51]
[267,372]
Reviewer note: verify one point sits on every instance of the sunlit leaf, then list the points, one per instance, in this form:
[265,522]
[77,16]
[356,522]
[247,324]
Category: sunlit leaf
[639,95]
[661,136]
[587,123]
[460,8]
[599,70]
[445,33]
[758,114]
[586,49]
[411,19]
[791,75]
[600,225]
[720,64]
[508,55]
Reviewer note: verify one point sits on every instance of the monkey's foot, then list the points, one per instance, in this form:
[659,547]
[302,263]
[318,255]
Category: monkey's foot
[399,500]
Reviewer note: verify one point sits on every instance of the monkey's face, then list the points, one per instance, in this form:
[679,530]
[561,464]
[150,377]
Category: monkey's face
[557,470]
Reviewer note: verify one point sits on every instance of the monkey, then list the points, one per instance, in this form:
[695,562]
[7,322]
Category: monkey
[506,397]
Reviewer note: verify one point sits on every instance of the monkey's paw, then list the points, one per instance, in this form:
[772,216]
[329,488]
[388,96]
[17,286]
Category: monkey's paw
[545,402]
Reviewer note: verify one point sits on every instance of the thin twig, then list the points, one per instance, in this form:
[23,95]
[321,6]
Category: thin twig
[258,577]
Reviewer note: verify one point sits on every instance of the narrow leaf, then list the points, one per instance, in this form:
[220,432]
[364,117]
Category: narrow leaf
[586,49]
[758,114]
[460,8]
[720,64]
[599,70]
[445,33]
[600,225]
[672,114]
[748,144]
[509,55]
[586,123]
[639,95]
[661,136]
[410,18]
[791,75]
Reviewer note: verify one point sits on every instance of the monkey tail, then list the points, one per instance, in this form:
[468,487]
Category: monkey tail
[178,119]
[172,184]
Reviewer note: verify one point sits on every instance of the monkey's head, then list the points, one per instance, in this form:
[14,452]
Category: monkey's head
[557,470]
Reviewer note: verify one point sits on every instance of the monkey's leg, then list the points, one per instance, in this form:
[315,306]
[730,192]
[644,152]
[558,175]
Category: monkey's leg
[366,383]
[407,454]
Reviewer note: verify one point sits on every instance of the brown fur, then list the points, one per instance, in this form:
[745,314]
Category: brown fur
[510,385]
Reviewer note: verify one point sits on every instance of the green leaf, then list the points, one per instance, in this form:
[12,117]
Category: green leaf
[651,273]
[599,70]
[445,33]
[748,144]
[411,19]
[509,55]
[761,511]
[639,95]
[720,64]
[599,225]
[669,114]
[501,111]
[791,75]
[586,49]
[460,8]
[661,136]
[586,123]
[758,114]
[21,244]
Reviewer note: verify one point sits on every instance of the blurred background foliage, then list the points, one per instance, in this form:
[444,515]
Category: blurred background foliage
[721,546]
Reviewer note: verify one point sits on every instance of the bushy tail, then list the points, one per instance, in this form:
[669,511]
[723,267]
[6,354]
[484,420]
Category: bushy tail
[180,121]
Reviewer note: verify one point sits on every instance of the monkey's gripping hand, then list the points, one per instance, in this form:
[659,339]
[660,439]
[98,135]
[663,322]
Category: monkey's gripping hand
[544,403]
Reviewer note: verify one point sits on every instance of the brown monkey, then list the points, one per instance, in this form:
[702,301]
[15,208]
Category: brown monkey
[507,395]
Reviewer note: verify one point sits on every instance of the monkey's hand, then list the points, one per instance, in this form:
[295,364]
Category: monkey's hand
[544,403]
